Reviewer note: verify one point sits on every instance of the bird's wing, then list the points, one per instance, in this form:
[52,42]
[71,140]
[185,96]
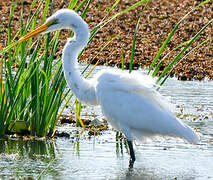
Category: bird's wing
[137,83]
[131,104]
[127,101]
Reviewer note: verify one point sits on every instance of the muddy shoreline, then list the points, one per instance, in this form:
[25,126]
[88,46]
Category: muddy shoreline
[157,21]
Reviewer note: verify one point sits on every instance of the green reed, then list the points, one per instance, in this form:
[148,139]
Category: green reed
[34,90]
[31,92]
[186,45]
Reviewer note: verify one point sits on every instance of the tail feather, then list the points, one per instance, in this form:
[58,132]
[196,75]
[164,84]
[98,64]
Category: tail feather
[190,135]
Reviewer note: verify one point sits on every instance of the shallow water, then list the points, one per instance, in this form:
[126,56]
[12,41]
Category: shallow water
[101,158]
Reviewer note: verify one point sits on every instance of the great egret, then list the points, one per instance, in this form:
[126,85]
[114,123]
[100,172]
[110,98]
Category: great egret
[128,101]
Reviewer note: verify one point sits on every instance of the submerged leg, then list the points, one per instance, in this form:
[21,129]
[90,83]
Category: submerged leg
[132,154]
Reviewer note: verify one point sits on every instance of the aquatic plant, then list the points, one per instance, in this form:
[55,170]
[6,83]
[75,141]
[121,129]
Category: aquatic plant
[179,57]
[29,90]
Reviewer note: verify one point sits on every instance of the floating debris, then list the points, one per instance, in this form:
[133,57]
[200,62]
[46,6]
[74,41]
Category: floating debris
[61,134]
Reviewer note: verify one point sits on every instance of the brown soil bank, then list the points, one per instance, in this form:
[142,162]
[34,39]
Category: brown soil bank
[157,22]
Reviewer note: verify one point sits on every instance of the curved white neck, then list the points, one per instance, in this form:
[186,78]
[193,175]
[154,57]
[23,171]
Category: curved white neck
[81,87]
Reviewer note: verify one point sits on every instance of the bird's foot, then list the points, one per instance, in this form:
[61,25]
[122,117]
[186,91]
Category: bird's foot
[132,155]
[131,163]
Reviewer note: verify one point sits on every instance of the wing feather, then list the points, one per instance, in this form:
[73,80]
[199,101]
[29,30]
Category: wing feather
[125,100]
[143,85]
[131,104]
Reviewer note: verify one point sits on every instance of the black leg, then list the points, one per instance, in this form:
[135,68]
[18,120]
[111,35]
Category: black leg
[132,154]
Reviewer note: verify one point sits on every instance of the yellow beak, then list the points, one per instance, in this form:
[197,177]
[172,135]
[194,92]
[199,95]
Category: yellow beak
[38,30]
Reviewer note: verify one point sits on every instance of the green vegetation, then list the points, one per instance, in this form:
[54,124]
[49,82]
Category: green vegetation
[31,92]
[34,90]
[167,70]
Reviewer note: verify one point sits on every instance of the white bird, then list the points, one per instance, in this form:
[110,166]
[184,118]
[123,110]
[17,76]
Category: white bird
[128,101]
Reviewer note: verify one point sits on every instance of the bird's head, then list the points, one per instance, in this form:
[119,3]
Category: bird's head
[62,19]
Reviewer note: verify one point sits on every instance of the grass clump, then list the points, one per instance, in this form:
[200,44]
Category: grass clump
[30,92]
[156,64]
[33,91]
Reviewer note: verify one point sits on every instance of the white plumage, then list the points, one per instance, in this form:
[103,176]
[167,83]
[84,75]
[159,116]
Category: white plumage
[130,104]
[128,101]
